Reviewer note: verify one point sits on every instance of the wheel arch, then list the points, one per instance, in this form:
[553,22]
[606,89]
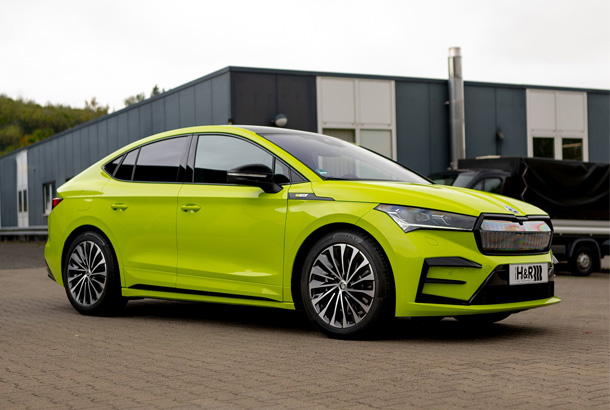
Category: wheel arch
[74,234]
[591,243]
[310,241]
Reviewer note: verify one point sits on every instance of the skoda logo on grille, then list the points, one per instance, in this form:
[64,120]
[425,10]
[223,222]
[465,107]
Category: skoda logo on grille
[513,210]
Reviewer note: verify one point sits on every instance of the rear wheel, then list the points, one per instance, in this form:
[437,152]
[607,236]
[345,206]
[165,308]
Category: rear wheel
[346,285]
[582,262]
[91,276]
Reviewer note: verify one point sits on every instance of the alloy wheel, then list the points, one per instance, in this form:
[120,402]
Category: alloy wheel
[87,273]
[341,285]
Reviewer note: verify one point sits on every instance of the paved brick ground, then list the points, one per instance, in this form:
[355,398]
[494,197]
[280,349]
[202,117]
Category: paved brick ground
[183,355]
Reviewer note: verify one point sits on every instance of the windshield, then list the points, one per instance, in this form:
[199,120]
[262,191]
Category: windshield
[464,179]
[443,180]
[334,159]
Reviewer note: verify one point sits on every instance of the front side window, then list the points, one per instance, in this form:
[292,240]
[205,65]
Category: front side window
[217,154]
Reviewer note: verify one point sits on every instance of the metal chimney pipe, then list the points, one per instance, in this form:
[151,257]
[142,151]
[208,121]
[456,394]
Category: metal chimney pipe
[456,107]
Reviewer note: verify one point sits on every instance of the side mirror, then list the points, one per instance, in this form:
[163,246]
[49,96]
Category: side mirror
[254,175]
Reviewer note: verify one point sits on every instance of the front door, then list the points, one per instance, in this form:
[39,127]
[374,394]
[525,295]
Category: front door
[230,237]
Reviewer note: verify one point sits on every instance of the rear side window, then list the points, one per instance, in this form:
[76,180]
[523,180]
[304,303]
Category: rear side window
[160,161]
[125,171]
[112,165]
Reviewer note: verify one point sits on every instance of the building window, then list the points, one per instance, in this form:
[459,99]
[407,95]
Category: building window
[544,147]
[557,124]
[48,193]
[23,200]
[360,111]
[572,148]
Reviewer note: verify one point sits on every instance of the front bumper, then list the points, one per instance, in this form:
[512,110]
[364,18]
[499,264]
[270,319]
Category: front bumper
[443,273]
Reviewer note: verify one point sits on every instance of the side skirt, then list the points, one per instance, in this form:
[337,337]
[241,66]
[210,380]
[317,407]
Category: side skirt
[157,294]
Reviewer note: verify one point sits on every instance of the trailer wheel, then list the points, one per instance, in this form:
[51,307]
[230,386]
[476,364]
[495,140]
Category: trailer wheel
[582,261]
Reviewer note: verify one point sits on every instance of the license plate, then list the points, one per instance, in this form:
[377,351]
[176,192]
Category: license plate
[528,273]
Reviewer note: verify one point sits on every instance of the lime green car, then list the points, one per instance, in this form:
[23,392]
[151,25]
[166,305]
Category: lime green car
[273,217]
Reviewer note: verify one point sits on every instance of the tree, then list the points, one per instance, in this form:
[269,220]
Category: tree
[94,106]
[134,99]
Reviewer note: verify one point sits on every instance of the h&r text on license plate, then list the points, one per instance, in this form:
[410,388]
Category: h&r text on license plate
[528,273]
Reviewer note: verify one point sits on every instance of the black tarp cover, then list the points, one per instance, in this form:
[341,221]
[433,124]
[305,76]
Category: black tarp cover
[564,189]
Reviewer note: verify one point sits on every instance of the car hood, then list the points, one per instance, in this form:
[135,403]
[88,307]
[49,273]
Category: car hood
[441,197]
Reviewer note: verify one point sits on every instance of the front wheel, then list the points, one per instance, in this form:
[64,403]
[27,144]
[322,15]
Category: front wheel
[346,285]
[91,276]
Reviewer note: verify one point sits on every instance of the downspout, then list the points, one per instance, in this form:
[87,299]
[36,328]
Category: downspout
[456,107]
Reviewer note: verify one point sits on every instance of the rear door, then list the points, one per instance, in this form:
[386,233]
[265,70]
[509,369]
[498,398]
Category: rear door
[139,207]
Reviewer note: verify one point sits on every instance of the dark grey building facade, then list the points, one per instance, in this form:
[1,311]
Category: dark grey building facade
[404,118]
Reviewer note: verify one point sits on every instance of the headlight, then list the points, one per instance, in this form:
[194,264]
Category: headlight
[410,219]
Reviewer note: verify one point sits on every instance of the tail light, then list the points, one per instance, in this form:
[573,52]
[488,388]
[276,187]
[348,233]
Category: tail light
[56,202]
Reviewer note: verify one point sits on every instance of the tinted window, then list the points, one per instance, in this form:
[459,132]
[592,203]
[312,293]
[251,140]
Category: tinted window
[112,165]
[216,154]
[160,161]
[125,171]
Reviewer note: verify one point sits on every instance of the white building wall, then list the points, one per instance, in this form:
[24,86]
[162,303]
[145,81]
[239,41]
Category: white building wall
[22,189]
[359,110]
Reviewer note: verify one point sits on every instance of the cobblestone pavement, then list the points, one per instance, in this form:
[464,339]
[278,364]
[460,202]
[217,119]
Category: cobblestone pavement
[162,354]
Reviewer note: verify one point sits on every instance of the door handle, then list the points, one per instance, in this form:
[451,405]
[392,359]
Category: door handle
[119,207]
[190,208]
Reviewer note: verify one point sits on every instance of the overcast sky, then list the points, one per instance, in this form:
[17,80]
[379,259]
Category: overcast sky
[69,51]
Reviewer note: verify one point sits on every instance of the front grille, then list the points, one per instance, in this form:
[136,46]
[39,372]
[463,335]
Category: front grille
[514,241]
[502,235]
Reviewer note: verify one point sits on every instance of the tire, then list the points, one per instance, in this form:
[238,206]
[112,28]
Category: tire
[582,262]
[347,286]
[483,319]
[91,276]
